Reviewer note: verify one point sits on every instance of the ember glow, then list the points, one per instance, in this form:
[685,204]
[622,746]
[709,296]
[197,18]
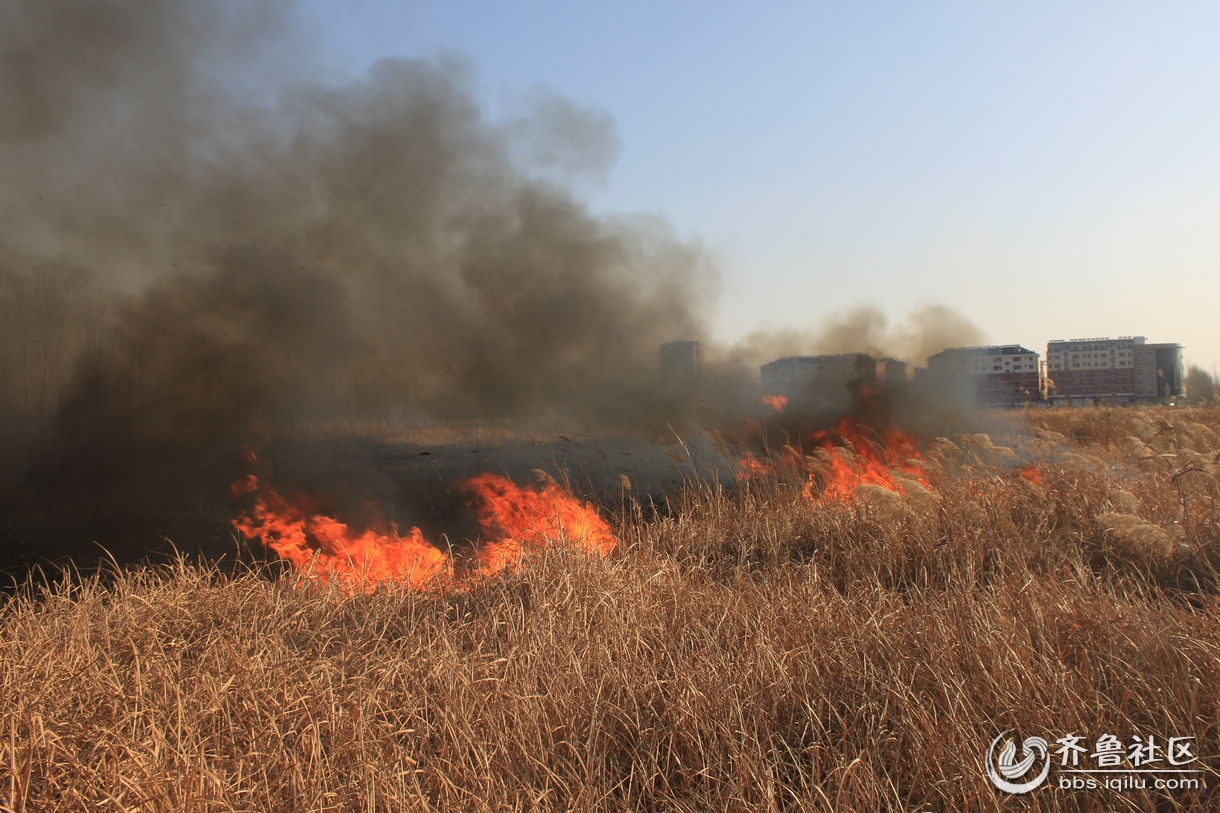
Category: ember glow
[515,521]
[1033,474]
[750,467]
[777,402]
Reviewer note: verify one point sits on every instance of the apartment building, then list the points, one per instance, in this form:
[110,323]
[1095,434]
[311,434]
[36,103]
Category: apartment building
[1124,369]
[817,377]
[993,375]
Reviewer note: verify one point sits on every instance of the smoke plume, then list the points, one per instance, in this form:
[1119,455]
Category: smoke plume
[923,333]
[300,249]
[209,242]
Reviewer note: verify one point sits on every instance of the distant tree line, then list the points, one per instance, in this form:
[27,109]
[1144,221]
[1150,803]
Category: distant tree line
[1200,386]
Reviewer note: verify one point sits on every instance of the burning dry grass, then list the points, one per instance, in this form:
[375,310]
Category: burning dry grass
[749,650]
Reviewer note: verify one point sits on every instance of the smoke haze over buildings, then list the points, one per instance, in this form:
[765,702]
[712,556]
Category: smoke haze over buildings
[924,332]
[206,244]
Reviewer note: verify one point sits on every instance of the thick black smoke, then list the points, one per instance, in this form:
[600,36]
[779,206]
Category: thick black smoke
[209,242]
[298,249]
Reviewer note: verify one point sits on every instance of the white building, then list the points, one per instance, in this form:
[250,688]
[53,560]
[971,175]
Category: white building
[1126,368]
[995,375]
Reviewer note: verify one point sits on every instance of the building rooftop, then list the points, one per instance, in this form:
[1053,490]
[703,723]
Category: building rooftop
[986,350]
[827,357]
[1135,339]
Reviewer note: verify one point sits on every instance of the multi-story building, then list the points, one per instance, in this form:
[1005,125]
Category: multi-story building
[681,362]
[995,375]
[1124,369]
[893,373]
[1159,371]
[822,378]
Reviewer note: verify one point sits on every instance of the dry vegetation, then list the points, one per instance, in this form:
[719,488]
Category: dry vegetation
[744,651]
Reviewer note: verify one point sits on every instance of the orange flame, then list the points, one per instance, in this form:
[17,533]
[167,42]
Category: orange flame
[853,460]
[326,548]
[847,456]
[1033,474]
[777,402]
[752,467]
[533,519]
[520,519]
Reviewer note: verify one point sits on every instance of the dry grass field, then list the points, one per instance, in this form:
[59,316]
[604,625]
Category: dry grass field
[744,649]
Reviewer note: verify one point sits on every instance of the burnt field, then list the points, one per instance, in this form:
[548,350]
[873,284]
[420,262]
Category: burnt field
[142,502]
[847,627]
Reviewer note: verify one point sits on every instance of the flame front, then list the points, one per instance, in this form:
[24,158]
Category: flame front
[522,520]
[326,548]
[843,458]
[515,521]
[853,460]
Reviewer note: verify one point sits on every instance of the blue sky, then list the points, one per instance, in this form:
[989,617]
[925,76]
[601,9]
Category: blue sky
[1050,170]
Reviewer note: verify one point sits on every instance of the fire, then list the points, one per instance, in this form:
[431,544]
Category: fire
[777,402]
[515,521]
[522,520]
[845,457]
[853,459]
[752,467]
[1032,473]
[326,548]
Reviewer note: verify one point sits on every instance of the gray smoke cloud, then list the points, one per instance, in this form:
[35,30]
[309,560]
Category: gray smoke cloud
[211,245]
[293,248]
[207,241]
[922,333]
